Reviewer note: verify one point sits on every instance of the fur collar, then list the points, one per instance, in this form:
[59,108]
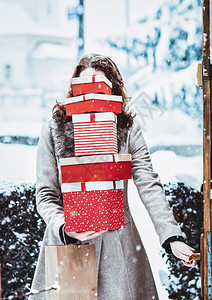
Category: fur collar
[63,138]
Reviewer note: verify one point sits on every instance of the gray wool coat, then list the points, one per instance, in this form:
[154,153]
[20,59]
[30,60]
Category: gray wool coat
[123,268]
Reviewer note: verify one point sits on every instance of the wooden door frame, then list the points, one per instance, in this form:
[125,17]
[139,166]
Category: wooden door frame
[206,85]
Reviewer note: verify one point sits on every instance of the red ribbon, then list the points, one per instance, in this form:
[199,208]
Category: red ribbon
[93,78]
[114,184]
[83,186]
[92,117]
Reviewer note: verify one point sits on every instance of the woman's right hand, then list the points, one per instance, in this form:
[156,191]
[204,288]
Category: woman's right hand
[85,235]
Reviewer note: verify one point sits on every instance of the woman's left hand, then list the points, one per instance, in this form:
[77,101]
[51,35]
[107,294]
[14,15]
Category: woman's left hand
[183,252]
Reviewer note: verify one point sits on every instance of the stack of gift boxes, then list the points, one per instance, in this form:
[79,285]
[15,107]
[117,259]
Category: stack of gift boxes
[92,180]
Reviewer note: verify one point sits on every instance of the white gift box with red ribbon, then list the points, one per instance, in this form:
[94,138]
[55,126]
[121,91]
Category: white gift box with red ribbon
[92,186]
[91,84]
[95,133]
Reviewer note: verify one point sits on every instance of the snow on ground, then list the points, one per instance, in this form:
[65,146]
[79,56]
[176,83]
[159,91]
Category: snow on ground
[20,128]
[178,168]
[18,164]
[167,127]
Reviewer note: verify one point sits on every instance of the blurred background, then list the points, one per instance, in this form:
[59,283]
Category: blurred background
[156,44]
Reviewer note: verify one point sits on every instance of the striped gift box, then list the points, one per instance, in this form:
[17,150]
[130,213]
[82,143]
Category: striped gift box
[95,133]
[91,84]
[94,205]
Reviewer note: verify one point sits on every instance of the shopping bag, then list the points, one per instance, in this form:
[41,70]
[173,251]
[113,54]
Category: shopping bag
[72,269]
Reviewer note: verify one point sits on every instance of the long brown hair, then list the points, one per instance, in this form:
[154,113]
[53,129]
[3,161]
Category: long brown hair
[106,65]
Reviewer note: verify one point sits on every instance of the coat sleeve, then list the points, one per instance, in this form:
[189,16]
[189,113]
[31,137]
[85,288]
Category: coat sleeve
[150,188]
[48,191]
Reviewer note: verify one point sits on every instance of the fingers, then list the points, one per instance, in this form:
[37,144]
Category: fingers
[192,249]
[90,235]
[85,235]
[96,234]
[190,263]
[186,254]
[182,256]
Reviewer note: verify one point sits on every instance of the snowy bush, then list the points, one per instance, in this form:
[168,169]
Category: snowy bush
[21,233]
[187,206]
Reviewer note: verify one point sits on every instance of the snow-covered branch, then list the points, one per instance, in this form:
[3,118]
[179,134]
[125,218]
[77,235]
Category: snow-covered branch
[31,293]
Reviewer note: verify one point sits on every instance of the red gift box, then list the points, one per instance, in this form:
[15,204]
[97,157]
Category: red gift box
[93,206]
[96,168]
[93,103]
[91,84]
[95,133]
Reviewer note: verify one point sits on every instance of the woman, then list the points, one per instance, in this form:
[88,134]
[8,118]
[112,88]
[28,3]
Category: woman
[123,268]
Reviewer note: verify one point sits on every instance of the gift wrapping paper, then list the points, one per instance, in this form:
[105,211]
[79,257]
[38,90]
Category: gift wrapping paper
[91,84]
[93,103]
[96,168]
[95,133]
[93,206]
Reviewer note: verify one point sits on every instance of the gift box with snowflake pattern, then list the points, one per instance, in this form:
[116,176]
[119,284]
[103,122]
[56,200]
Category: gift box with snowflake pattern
[94,205]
